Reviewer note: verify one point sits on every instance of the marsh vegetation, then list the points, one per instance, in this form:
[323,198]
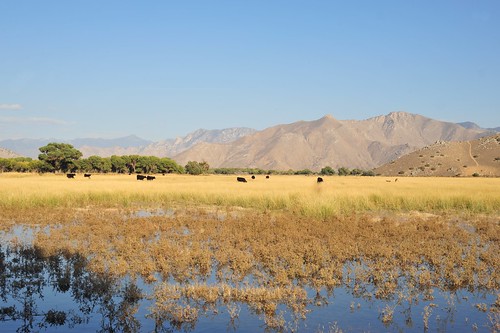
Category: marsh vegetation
[415,254]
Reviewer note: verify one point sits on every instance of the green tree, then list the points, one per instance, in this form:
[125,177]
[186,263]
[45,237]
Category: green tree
[131,162]
[168,165]
[304,172]
[148,164]
[194,168]
[356,172]
[118,164]
[60,156]
[98,164]
[343,171]
[327,171]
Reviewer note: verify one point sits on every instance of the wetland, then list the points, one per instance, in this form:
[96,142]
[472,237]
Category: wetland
[285,254]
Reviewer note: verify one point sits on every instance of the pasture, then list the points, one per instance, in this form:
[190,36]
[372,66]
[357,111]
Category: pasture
[347,254]
[295,194]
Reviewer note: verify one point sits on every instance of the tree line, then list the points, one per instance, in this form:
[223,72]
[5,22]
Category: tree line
[63,157]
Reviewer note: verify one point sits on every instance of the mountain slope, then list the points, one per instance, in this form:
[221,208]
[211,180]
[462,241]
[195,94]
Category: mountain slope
[464,158]
[6,153]
[327,141]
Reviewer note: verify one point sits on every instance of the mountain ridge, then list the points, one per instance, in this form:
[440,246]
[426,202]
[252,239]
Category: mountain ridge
[326,141]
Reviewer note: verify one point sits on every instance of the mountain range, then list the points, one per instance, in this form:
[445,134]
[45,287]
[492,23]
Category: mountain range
[363,144]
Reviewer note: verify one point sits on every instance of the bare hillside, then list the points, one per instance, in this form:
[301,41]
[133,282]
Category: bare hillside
[480,156]
[6,153]
[312,145]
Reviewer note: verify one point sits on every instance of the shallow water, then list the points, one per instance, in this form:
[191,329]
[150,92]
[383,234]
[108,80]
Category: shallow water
[59,293]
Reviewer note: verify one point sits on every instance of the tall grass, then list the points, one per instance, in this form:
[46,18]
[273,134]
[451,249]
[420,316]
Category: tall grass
[297,194]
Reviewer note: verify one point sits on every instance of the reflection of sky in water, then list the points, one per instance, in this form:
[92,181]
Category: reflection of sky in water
[454,312]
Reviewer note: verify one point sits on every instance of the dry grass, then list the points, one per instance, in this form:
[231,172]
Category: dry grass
[296,194]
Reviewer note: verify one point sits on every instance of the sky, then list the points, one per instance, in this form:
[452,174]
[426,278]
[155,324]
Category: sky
[162,69]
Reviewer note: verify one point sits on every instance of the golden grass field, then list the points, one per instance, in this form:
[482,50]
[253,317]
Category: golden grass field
[266,240]
[297,194]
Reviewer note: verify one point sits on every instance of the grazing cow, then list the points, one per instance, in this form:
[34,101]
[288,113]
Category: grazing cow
[387,180]
[253,177]
[87,175]
[71,175]
[319,180]
[267,177]
[395,180]
[241,179]
[150,177]
[141,177]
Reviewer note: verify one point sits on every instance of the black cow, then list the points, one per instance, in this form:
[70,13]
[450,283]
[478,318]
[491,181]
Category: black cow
[150,177]
[71,175]
[267,177]
[141,177]
[253,177]
[241,179]
[320,180]
[87,175]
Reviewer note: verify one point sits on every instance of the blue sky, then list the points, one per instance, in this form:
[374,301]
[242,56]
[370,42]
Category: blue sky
[161,69]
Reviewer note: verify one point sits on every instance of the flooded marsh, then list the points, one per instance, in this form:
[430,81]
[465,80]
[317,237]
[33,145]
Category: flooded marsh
[185,264]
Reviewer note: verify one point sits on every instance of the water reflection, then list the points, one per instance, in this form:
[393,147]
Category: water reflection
[27,277]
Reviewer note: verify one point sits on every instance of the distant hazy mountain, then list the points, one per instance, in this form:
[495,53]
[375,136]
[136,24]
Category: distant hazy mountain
[29,147]
[314,144]
[471,125]
[129,145]
[464,158]
[127,141]
[25,147]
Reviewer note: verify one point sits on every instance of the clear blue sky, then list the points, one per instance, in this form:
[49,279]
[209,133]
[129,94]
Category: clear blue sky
[161,69]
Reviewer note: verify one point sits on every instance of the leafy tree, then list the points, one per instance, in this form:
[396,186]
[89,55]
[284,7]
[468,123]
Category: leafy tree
[118,164]
[98,164]
[327,171]
[356,172]
[204,166]
[38,166]
[194,168]
[60,156]
[131,162]
[168,165]
[304,172]
[5,164]
[343,171]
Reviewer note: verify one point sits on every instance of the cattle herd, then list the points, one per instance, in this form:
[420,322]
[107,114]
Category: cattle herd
[142,177]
